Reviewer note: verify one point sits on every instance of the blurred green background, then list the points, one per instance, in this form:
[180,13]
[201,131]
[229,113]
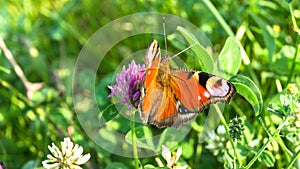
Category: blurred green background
[45,38]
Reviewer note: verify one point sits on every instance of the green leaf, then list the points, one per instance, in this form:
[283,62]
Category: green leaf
[205,60]
[188,150]
[248,89]
[170,136]
[101,90]
[181,163]
[144,137]
[285,102]
[45,94]
[5,70]
[61,116]
[30,164]
[283,61]
[228,165]
[267,158]
[293,137]
[275,109]
[143,132]
[267,36]
[116,165]
[149,166]
[108,114]
[243,151]
[110,137]
[230,58]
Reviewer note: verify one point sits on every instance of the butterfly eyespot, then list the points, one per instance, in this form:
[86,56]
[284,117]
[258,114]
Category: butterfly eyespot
[182,109]
[206,94]
[199,98]
[217,86]
[219,82]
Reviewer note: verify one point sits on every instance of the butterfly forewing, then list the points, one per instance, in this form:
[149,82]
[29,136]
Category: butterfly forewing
[156,103]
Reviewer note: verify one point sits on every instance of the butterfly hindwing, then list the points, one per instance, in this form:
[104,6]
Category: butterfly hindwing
[201,89]
[197,91]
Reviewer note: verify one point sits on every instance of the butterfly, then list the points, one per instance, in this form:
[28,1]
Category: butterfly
[172,97]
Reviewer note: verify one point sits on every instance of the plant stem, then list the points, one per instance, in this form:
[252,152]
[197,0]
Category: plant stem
[220,19]
[258,154]
[271,136]
[223,121]
[294,60]
[297,30]
[133,139]
[228,30]
[30,87]
[18,93]
[295,27]
[235,154]
[294,158]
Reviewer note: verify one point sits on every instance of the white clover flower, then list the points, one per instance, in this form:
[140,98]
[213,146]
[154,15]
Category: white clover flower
[171,160]
[69,157]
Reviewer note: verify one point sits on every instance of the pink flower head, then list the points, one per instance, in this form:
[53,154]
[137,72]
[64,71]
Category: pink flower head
[128,85]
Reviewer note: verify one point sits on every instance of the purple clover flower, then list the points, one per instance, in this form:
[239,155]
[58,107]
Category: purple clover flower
[128,85]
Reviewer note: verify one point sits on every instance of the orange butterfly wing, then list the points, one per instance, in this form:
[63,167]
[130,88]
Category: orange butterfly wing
[197,90]
[174,97]
[157,103]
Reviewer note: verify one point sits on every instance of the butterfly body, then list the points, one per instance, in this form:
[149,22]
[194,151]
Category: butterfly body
[173,97]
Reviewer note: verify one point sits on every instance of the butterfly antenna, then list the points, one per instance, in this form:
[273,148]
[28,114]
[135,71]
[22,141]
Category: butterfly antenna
[184,50]
[165,36]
